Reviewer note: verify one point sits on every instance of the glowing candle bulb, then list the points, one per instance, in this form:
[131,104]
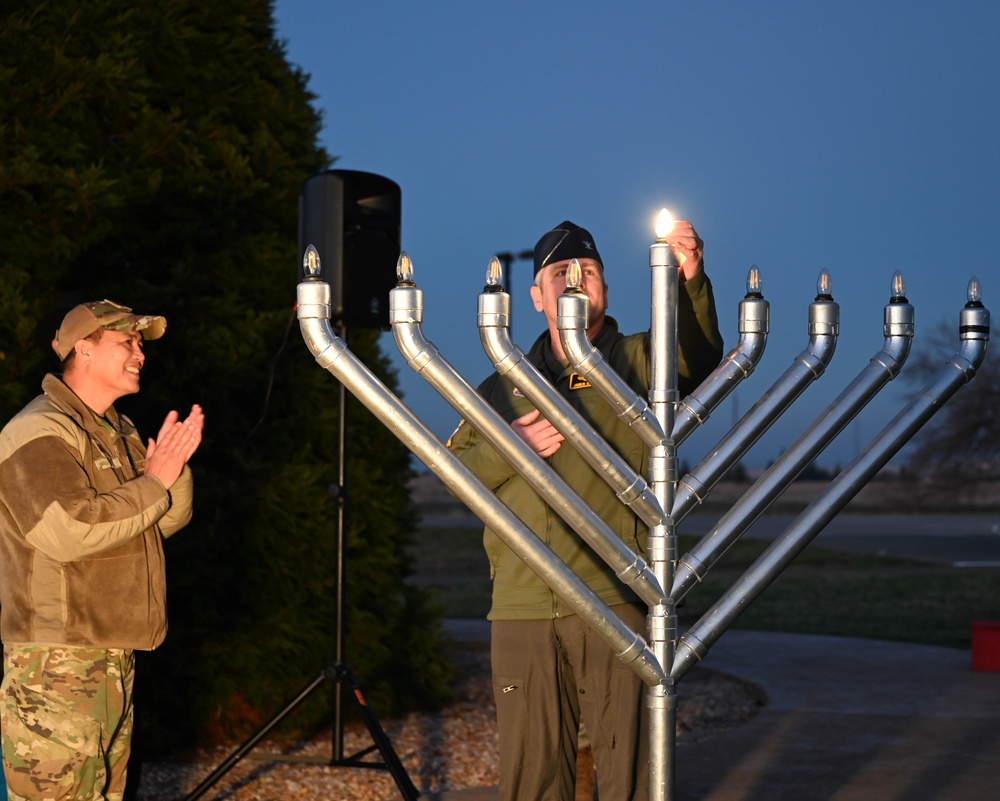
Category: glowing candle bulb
[574,275]
[404,268]
[753,280]
[898,286]
[311,261]
[974,293]
[664,224]
[494,273]
[824,286]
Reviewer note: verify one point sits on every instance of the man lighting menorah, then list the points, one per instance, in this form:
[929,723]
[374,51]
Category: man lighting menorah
[550,670]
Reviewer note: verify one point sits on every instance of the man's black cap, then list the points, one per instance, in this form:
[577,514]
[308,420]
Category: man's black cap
[566,241]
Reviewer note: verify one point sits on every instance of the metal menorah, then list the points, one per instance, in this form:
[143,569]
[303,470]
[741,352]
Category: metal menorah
[661,656]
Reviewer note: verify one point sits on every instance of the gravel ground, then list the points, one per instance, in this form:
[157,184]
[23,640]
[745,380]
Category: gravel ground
[454,749]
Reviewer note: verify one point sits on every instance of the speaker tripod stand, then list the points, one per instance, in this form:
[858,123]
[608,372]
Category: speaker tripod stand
[338,673]
[343,677]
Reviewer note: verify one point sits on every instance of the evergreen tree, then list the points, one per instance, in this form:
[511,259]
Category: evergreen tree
[153,154]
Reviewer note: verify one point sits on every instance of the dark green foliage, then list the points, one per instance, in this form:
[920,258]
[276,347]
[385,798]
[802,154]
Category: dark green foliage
[153,154]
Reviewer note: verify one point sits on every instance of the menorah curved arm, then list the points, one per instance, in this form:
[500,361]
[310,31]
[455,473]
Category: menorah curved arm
[587,360]
[405,313]
[956,373]
[631,488]
[882,368]
[809,365]
[333,355]
[694,410]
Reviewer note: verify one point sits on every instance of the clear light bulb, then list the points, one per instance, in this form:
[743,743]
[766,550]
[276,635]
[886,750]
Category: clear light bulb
[574,275]
[824,286]
[404,268]
[975,291]
[311,262]
[754,283]
[898,286]
[494,273]
[664,224]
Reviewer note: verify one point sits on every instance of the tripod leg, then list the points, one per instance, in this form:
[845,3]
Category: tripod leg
[381,739]
[255,738]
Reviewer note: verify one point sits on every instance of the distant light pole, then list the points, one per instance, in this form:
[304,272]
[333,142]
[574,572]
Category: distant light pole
[507,259]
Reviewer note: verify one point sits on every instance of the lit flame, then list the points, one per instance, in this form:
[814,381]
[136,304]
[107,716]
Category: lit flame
[664,224]
[824,286]
[494,273]
[753,280]
[404,268]
[975,291]
[310,261]
[898,285]
[574,275]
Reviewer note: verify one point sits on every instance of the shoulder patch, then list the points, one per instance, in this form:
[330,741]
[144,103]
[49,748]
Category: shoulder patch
[577,381]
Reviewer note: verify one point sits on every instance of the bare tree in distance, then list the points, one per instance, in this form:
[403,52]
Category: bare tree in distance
[960,447]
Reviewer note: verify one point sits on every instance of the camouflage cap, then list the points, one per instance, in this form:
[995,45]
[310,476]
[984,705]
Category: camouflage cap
[85,319]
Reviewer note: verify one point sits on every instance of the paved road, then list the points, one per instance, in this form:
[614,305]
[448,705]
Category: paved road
[971,540]
[961,540]
[852,720]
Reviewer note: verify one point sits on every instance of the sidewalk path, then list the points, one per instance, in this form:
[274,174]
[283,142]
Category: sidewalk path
[846,720]
[850,720]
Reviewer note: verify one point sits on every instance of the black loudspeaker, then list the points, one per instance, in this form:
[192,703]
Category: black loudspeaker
[352,218]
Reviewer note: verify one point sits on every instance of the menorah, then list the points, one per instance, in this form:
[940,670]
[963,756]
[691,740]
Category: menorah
[661,656]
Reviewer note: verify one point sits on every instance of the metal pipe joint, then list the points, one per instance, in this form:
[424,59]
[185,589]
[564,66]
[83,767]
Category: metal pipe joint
[632,409]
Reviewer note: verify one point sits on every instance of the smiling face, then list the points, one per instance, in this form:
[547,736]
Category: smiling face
[107,368]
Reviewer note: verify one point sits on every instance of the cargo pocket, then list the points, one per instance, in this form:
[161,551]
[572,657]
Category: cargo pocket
[42,727]
[509,692]
[513,723]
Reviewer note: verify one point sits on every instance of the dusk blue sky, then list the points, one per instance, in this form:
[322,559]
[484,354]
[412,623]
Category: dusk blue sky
[861,137]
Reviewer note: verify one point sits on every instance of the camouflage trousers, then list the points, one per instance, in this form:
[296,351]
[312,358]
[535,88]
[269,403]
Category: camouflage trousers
[66,720]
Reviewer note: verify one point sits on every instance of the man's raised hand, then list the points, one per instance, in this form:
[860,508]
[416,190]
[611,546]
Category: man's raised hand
[174,445]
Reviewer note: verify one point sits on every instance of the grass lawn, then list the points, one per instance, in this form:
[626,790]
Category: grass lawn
[821,592]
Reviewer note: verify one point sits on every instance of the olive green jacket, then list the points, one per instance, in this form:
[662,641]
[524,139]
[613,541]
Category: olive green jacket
[81,528]
[517,592]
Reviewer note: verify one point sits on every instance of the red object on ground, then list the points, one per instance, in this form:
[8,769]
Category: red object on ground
[986,645]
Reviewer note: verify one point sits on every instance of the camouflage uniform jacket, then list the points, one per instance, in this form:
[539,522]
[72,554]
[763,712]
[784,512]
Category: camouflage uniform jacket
[81,528]
[518,594]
